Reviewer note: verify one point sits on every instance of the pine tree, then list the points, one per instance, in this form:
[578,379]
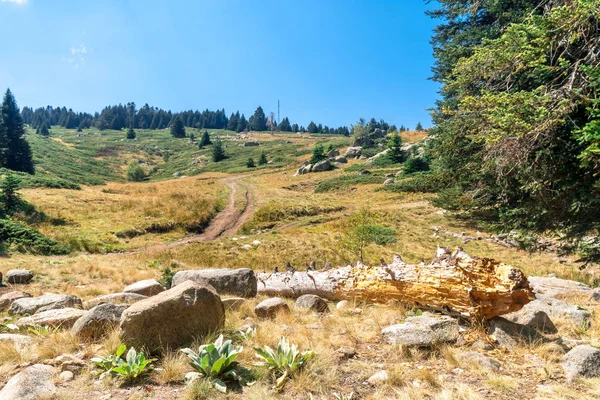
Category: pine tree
[419,127]
[17,153]
[177,129]
[233,121]
[258,122]
[205,140]
[250,163]
[395,152]
[242,124]
[9,199]
[263,159]
[318,154]
[218,152]
[130,133]
[312,128]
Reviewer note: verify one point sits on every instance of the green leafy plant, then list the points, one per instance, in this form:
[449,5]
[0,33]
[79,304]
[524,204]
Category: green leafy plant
[43,331]
[246,334]
[285,360]
[216,362]
[166,278]
[6,326]
[130,369]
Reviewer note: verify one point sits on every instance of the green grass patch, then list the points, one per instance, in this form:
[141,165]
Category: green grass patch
[344,181]
[16,236]
[421,182]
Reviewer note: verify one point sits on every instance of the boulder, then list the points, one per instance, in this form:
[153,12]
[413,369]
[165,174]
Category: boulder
[321,166]
[18,341]
[533,318]
[582,361]
[33,383]
[426,330]
[96,322]
[31,305]
[19,276]
[66,376]
[148,287]
[552,287]
[251,144]
[353,152]
[63,317]
[363,172]
[388,182]
[8,298]
[114,298]
[333,153]
[237,282]
[479,359]
[509,334]
[173,318]
[378,378]
[595,295]
[233,303]
[371,160]
[558,309]
[68,362]
[343,305]
[312,302]
[269,308]
[341,160]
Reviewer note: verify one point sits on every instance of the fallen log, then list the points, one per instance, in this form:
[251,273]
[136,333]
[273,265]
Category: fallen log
[453,283]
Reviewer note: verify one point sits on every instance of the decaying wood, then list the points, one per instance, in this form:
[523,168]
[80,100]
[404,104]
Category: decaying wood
[453,283]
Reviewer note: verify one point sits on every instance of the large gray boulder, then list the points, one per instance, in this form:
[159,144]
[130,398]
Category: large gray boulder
[312,302]
[353,152]
[582,361]
[333,153]
[558,309]
[63,317]
[31,305]
[237,282]
[148,287]
[173,318]
[426,330]
[114,298]
[377,156]
[510,335]
[321,166]
[8,298]
[269,308]
[19,276]
[533,318]
[304,169]
[98,321]
[33,383]
[340,159]
[552,287]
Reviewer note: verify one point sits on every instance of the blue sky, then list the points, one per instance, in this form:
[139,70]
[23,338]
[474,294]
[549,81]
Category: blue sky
[332,61]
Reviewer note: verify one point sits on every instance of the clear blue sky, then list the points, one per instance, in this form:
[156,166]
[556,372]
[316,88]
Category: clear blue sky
[332,61]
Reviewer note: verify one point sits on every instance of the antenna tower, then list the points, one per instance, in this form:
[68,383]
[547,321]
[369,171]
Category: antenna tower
[278,116]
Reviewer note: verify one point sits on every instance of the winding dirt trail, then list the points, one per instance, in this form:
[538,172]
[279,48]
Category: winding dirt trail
[225,223]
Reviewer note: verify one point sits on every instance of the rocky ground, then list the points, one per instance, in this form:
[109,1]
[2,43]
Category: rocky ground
[548,349]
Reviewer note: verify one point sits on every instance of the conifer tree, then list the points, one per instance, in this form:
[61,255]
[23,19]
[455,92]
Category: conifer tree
[205,140]
[419,127]
[17,153]
[250,163]
[218,152]
[258,122]
[318,154]
[9,199]
[263,159]
[130,133]
[242,124]
[177,129]
[395,152]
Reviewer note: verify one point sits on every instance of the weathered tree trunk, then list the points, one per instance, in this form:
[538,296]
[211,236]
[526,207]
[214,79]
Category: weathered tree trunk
[455,284]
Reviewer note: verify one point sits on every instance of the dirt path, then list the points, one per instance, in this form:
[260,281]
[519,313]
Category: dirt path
[226,223]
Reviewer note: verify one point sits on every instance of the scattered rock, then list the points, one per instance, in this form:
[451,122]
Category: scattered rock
[63,317]
[347,352]
[363,172]
[312,302]
[582,361]
[68,362]
[66,376]
[552,287]
[343,305]
[595,296]
[479,359]
[353,152]
[148,287]
[304,169]
[7,299]
[509,334]
[96,322]
[377,156]
[481,345]
[378,378]
[269,308]
[251,144]
[388,182]
[321,166]
[172,318]
[31,305]
[233,303]
[558,309]
[19,341]
[237,282]
[19,276]
[33,383]
[333,153]
[533,318]
[341,160]
[426,330]
[114,298]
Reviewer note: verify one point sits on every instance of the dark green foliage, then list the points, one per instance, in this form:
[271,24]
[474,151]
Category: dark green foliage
[344,181]
[15,152]
[284,125]
[258,122]
[218,151]
[415,164]
[26,239]
[130,133]
[263,159]
[9,198]
[177,129]
[424,182]
[135,172]
[312,128]
[166,277]
[242,124]
[318,154]
[205,140]
[250,163]
[419,127]
[395,152]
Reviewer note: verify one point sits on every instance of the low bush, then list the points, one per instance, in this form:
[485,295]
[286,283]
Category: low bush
[342,182]
[422,182]
[274,211]
[28,240]
[415,164]
[131,369]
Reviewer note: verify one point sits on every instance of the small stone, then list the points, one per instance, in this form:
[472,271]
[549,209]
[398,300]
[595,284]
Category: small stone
[343,305]
[582,361]
[378,378]
[389,182]
[312,302]
[66,376]
[347,352]
[19,276]
[479,359]
[269,308]
[148,287]
[481,345]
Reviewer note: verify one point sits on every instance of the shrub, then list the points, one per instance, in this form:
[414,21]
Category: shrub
[250,163]
[416,164]
[218,152]
[318,154]
[216,362]
[135,172]
[343,181]
[284,361]
[263,159]
[166,278]
[130,369]
[422,182]
[28,240]
[361,231]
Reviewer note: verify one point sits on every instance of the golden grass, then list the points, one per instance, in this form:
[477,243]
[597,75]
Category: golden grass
[172,368]
[56,344]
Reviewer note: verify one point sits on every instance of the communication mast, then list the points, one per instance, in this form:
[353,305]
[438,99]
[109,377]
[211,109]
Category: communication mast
[278,116]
